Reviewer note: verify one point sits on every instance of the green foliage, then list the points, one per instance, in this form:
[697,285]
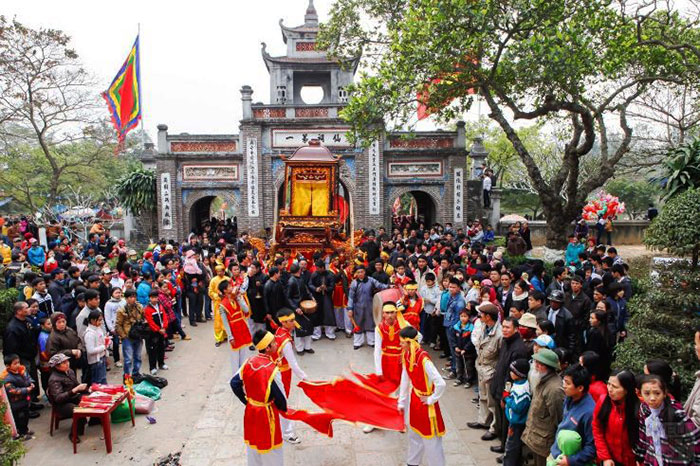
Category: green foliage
[54,133]
[681,169]
[663,318]
[11,451]
[579,64]
[677,228]
[8,297]
[137,190]
[503,158]
[637,195]
[499,241]
[522,202]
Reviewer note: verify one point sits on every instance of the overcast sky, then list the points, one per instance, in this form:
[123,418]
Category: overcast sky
[195,56]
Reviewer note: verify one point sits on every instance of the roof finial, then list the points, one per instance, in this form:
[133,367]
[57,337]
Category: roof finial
[311,18]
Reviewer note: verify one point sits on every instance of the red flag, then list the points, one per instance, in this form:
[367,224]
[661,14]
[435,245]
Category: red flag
[346,400]
[423,96]
[377,382]
[320,422]
[124,95]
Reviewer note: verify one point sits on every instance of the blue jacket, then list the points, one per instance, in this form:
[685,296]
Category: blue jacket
[452,308]
[537,284]
[142,293]
[464,334]
[518,402]
[572,252]
[489,235]
[578,417]
[36,256]
[148,268]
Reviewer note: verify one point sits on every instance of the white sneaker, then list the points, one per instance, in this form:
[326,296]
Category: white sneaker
[367,429]
[295,440]
[154,371]
[164,367]
[119,364]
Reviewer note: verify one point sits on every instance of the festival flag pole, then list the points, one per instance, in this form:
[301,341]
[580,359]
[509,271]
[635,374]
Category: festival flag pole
[143,131]
[123,96]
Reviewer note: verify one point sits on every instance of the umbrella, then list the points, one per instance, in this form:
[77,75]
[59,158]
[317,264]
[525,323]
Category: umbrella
[512,218]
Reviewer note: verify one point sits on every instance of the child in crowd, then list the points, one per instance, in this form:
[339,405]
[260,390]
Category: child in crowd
[464,349]
[517,403]
[430,293]
[577,417]
[155,343]
[18,386]
[666,434]
[44,369]
[96,344]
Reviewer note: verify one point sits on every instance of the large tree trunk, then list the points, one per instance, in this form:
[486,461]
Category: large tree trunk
[556,231]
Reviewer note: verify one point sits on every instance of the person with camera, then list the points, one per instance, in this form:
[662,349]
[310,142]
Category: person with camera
[130,327]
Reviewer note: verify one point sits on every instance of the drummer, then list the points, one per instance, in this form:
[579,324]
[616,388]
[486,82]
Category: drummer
[360,296]
[297,291]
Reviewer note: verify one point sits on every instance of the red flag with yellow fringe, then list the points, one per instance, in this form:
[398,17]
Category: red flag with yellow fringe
[123,96]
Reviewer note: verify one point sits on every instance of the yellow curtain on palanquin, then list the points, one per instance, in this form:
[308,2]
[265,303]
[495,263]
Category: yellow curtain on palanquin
[319,200]
[301,199]
[310,198]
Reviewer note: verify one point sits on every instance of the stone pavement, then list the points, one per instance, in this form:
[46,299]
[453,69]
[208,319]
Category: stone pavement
[217,436]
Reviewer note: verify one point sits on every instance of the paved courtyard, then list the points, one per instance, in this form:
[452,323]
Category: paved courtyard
[349,446]
[200,416]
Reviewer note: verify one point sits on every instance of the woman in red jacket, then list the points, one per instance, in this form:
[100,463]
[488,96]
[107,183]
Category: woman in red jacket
[615,422]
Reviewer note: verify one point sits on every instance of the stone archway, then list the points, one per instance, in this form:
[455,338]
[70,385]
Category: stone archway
[430,209]
[198,203]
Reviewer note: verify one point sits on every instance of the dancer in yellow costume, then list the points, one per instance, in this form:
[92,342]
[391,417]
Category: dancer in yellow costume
[219,329]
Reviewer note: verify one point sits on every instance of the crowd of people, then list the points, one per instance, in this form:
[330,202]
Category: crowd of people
[534,344]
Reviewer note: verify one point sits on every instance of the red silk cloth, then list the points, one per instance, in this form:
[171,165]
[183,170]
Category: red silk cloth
[346,400]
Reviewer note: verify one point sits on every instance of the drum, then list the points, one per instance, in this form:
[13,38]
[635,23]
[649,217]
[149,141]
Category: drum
[308,306]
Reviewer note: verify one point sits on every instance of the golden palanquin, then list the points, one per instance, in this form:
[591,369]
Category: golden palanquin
[309,216]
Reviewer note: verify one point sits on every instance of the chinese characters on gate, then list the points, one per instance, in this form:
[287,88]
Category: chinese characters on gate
[166,202]
[252,171]
[459,197]
[293,138]
[374,206]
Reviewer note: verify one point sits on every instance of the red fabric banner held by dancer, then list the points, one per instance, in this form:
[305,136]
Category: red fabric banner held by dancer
[349,401]
[377,382]
[320,422]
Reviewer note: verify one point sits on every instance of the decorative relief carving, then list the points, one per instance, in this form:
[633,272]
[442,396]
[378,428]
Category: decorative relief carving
[269,113]
[208,146]
[414,169]
[306,46]
[416,143]
[210,172]
[312,112]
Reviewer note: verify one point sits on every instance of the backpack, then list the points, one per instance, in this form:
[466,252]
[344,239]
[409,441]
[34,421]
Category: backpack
[139,330]
[159,382]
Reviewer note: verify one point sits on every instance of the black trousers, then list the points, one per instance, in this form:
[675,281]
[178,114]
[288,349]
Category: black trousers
[21,416]
[501,423]
[487,198]
[65,411]
[195,303]
[432,328]
[155,347]
[34,374]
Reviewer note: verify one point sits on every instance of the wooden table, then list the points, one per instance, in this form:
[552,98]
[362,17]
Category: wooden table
[104,415]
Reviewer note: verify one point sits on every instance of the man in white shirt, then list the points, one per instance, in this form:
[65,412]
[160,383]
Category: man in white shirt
[421,388]
[487,187]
